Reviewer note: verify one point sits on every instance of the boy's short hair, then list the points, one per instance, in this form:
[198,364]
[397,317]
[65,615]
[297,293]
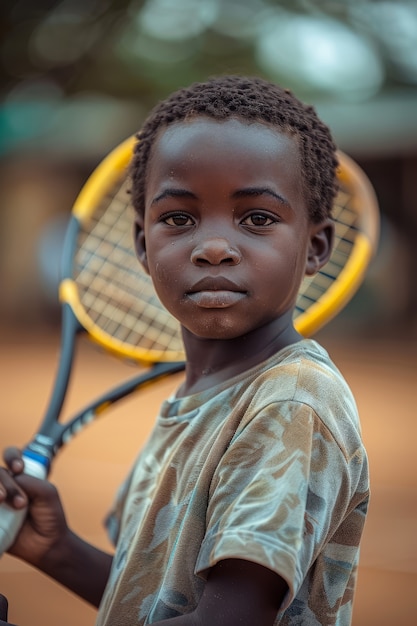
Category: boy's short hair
[251,100]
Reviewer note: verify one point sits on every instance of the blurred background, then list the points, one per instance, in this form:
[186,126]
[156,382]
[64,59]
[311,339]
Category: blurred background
[79,76]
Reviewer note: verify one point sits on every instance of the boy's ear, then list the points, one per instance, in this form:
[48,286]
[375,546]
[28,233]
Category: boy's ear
[140,244]
[320,247]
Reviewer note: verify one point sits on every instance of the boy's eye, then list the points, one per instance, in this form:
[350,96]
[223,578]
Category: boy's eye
[178,219]
[259,219]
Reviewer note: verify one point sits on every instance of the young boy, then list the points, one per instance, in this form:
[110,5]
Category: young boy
[247,504]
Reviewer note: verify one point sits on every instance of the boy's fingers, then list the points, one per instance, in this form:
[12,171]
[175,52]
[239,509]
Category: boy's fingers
[10,491]
[36,490]
[13,459]
[18,489]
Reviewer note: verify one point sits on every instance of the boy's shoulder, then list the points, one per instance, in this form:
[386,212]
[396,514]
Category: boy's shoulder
[302,368]
[304,374]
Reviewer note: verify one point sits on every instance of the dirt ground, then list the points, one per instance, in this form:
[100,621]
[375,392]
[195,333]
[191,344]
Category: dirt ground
[382,374]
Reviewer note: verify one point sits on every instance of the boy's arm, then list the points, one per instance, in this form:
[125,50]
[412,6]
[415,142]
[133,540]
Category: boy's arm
[237,593]
[78,566]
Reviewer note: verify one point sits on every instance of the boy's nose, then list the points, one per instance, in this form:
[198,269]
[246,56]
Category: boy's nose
[215,250]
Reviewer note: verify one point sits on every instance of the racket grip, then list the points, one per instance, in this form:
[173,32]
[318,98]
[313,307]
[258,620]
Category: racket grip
[11,520]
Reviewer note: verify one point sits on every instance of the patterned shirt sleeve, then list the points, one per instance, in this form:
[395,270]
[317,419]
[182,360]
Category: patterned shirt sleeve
[281,488]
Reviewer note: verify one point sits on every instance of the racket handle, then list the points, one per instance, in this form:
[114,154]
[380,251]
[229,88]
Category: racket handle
[11,520]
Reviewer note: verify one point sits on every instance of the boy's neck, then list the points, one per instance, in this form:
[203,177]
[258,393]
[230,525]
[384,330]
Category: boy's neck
[213,361]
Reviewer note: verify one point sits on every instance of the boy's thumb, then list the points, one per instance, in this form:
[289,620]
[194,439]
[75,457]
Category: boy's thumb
[4,605]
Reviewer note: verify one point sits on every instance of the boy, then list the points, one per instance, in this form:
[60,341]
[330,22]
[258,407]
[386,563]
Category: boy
[247,504]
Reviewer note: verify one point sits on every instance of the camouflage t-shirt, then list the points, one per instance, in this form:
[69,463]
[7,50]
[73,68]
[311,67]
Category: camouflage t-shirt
[268,467]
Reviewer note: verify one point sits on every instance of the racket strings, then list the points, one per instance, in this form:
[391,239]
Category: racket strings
[116,294]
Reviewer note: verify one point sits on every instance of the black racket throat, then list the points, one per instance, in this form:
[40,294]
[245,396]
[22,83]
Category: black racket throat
[70,329]
[53,435]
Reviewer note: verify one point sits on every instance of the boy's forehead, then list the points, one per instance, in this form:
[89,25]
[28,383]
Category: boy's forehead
[205,155]
[202,131]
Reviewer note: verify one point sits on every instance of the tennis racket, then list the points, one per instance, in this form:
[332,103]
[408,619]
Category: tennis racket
[106,295]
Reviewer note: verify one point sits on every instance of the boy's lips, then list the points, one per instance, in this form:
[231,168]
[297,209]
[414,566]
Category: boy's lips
[215,293]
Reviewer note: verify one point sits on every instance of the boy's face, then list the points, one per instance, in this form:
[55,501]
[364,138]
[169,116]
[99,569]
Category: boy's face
[226,236]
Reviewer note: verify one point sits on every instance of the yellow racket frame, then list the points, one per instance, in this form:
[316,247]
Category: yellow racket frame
[344,287]
[113,170]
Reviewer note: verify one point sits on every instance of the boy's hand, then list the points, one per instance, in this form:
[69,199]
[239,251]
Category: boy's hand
[45,525]
[3,611]
[44,540]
